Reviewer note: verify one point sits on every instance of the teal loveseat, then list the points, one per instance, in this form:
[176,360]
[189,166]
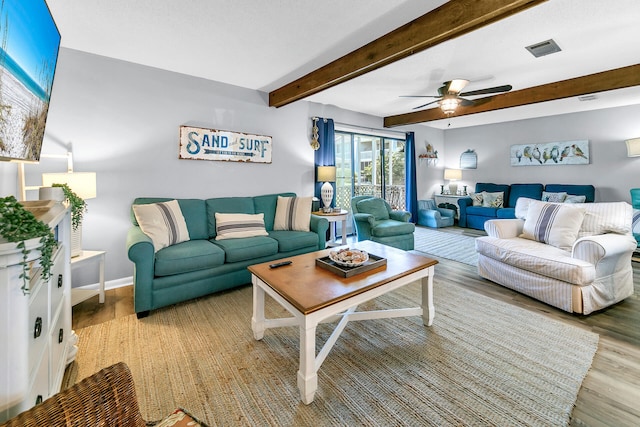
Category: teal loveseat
[203,265]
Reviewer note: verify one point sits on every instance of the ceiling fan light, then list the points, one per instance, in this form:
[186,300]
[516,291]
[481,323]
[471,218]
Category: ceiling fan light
[449,104]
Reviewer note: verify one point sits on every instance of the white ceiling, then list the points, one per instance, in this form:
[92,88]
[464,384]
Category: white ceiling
[263,45]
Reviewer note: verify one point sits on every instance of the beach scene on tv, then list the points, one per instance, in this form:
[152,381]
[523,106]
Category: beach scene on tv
[28,54]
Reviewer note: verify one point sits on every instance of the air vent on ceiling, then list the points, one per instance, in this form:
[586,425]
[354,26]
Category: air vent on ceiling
[543,48]
[585,98]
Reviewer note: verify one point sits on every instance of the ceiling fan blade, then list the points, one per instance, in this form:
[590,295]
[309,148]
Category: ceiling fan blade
[456,85]
[418,96]
[424,105]
[466,102]
[497,89]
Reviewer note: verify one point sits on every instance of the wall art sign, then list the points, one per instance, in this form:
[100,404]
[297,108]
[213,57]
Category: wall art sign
[551,154]
[212,144]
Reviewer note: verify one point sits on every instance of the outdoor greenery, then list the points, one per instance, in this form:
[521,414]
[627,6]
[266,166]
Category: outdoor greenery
[78,205]
[398,169]
[18,225]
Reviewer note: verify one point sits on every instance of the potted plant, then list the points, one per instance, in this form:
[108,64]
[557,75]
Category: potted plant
[78,205]
[17,225]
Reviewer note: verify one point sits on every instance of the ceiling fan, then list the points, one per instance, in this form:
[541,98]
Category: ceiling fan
[451,95]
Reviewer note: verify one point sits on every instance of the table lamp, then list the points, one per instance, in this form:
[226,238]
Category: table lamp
[326,174]
[81,183]
[453,175]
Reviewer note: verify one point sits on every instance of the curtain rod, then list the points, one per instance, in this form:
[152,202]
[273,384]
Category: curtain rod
[367,128]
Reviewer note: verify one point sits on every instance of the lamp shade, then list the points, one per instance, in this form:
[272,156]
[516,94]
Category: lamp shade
[326,173]
[633,147]
[453,174]
[81,183]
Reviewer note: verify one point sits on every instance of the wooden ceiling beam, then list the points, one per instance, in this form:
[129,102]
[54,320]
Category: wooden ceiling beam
[451,20]
[599,82]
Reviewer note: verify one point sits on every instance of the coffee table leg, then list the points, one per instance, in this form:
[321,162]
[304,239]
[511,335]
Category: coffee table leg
[307,377]
[257,320]
[428,310]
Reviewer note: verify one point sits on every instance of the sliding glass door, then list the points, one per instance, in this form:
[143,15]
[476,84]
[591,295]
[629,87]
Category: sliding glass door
[369,165]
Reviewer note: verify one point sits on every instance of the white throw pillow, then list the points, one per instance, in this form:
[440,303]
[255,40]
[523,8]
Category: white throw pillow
[162,222]
[553,197]
[553,223]
[575,199]
[635,226]
[293,213]
[238,226]
[492,200]
[476,199]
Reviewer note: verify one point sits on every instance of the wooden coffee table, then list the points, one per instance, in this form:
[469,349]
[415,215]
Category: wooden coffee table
[314,295]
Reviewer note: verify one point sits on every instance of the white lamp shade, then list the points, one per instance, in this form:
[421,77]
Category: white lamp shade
[81,183]
[453,174]
[633,147]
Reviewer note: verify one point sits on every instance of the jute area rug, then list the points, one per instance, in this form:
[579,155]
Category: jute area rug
[483,362]
[441,244]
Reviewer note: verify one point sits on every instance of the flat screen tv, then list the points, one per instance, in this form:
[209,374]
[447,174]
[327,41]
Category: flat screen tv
[29,45]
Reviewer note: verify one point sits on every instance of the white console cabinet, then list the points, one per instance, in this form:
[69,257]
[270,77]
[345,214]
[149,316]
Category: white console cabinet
[35,326]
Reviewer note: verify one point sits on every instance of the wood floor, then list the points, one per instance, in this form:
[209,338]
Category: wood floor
[610,394]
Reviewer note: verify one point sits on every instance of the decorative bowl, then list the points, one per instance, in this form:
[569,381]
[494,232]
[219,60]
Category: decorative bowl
[349,257]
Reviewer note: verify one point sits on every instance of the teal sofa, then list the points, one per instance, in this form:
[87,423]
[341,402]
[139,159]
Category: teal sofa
[203,265]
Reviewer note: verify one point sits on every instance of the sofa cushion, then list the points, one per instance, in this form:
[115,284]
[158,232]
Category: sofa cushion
[375,207]
[531,191]
[577,189]
[294,240]
[390,227]
[293,213]
[162,222]
[188,256]
[476,199]
[492,200]
[482,211]
[553,223]
[538,258]
[248,248]
[606,217]
[494,188]
[238,226]
[227,205]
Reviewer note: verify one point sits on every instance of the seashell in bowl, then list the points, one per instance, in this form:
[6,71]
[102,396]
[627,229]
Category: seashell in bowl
[349,257]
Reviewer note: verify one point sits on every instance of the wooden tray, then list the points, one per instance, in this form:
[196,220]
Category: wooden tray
[328,264]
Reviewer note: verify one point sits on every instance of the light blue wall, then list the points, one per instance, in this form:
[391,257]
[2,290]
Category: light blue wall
[122,120]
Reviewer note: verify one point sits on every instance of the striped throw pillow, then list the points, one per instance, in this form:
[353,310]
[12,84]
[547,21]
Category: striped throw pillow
[238,226]
[162,222]
[293,213]
[553,223]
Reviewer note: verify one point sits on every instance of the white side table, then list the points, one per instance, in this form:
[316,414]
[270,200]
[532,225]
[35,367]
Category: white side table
[334,217]
[79,295]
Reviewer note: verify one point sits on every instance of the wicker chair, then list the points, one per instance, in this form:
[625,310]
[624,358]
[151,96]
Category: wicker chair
[106,398]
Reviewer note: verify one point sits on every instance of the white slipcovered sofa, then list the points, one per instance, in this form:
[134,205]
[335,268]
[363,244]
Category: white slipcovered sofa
[576,257]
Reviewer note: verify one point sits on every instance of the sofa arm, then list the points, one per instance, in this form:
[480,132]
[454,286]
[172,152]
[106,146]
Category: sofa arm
[447,213]
[605,251]
[504,228]
[403,216]
[140,250]
[463,203]
[319,225]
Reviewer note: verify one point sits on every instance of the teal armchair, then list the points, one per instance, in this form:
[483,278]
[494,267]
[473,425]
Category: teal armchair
[374,220]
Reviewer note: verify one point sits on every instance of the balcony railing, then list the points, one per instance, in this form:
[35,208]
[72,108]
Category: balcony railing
[395,195]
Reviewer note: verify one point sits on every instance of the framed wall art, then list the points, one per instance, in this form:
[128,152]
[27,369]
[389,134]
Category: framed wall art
[551,154]
[211,144]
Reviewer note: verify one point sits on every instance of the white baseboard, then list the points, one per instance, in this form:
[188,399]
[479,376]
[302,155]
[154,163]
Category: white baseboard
[110,284]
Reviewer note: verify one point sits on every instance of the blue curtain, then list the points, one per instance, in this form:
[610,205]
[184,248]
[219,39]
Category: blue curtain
[410,177]
[326,154]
